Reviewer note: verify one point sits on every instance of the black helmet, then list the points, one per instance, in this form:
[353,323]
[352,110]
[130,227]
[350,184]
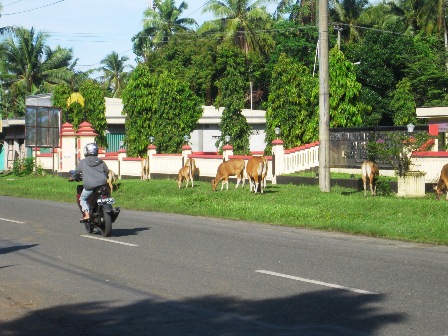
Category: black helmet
[91,149]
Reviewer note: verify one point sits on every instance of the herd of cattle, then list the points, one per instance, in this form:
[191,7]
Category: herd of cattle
[256,171]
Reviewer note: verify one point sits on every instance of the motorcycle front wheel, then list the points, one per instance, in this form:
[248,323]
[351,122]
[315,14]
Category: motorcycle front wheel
[106,223]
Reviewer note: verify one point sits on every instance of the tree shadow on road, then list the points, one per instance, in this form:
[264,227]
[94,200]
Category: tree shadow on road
[319,313]
[9,249]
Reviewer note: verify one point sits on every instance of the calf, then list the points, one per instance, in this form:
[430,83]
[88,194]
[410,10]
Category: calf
[111,180]
[186,173]
[256,171]
[233,167]
[369,170]
[145,168]
[443,183]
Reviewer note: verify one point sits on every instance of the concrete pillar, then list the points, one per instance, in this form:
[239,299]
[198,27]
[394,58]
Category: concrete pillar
[121,154]
[151,151]
[85,134]
[227,151]
[186,150]
[67,151]
[278,155]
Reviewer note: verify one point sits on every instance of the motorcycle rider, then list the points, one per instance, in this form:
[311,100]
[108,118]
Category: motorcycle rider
[94,173]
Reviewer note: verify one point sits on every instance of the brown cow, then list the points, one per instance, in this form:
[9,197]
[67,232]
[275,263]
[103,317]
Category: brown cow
[369,170]
[112,180]
[256,171]
[145,169]
[233,167]
[186,173]
[443,183]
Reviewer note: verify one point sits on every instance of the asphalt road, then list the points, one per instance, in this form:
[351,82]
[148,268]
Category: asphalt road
[164,274]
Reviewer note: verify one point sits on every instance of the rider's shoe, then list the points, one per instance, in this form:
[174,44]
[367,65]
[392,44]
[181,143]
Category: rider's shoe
[86,216]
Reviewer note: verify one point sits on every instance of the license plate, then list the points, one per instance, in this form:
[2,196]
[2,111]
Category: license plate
[109,200]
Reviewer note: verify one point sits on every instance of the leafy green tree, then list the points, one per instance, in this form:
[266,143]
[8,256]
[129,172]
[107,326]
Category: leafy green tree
[138,105]
[114,74]
[426,71]
[94,109]
[383,61]
[346,109]
[165,20]
[291,105]
[192,59]
[296,41]
[232,86]
[59,98]
[158,105]
[403,104]
[243,22]
[177,112]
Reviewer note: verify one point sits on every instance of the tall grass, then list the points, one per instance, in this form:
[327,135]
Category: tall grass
[343,210]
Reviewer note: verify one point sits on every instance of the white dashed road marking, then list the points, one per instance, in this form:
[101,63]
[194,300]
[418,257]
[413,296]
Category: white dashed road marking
[108,240]
[12,221]
[361,291]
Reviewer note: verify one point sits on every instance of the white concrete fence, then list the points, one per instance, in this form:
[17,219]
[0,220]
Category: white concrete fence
[282,161]
[65,158]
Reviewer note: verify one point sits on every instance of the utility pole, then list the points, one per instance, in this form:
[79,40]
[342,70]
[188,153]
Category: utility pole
[324,100]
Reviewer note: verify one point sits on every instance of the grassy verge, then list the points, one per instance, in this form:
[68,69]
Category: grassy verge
[343,210]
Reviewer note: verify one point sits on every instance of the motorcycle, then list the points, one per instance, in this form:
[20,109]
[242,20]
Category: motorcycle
[101,211]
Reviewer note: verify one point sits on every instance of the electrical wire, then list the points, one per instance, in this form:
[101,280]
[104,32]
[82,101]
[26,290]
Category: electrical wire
[32,9]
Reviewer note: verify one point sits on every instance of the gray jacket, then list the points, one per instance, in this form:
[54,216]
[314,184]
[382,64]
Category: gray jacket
[94,172]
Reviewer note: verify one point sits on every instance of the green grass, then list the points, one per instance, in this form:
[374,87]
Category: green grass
[335,175]
[343,210]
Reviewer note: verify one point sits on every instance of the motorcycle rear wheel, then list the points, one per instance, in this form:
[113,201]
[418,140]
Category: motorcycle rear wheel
[106,223]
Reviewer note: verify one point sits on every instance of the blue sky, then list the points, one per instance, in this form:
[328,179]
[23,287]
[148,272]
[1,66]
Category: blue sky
[92,28]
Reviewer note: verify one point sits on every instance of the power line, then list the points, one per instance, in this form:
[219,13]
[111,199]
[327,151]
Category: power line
[12,3]
[33,9]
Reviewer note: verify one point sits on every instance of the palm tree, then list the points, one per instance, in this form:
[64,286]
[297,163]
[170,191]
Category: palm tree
[34,64]
[30,66]
[114,73]
[164,20]
[241,21]
[348,12]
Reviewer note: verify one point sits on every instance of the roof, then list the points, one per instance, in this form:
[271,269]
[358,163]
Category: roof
[432,112]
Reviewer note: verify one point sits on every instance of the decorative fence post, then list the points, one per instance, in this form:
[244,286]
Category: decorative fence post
[85,134]
[278,154]
[186,150]
[121,154]
[227,151]
[67,152]
[152,149]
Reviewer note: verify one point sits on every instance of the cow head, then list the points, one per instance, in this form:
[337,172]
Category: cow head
[214,185]
[438,192]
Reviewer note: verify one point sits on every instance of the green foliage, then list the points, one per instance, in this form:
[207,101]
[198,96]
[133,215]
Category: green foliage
[138,105]
[160,106]
[383,186]
[192,59]
[346,109]
[426,71]
[94,109]
[22,167]
[290,104]
[383,59]
[176,114]
[61,93]
[395,149]
[403,104]
[233,122]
